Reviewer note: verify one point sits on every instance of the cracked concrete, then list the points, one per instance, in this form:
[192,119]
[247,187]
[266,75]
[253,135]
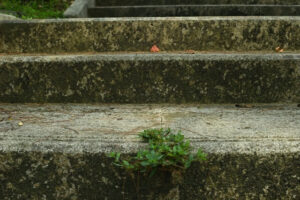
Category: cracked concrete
[103,128]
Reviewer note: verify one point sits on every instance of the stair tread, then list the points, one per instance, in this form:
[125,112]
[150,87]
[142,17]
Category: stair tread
[259,128]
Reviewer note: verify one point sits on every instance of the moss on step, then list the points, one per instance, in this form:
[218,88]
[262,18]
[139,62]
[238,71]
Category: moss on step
[148,78]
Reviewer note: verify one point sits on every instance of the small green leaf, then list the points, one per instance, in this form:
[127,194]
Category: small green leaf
[125,162]
[145,163]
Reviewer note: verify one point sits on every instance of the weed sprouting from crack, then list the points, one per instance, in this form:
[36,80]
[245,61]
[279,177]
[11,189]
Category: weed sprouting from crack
[166,151]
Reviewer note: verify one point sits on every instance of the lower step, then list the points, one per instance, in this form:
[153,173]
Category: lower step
[195,10]
[151,78]
[58,151]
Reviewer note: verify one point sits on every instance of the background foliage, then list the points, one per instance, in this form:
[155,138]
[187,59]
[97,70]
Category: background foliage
[35,9]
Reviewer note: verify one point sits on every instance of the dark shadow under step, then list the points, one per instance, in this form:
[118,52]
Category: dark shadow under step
[192,2]
[195,10]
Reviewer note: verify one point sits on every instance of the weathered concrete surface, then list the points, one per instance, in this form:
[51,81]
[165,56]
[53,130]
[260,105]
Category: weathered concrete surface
[195,2]
[79,8]
[139,34]
[151,78]
[194,10]
[253,153]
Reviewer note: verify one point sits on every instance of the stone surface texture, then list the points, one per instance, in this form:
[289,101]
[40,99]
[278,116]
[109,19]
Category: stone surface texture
[140,34]
[151,78]
[59,151]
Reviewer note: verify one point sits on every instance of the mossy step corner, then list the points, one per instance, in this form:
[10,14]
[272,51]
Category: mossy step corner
[58,151]
[151,78]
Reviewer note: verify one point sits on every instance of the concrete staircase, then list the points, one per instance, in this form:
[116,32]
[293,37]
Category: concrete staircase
[72,90]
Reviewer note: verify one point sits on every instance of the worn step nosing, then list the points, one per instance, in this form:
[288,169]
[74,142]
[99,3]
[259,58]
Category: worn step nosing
[131,56]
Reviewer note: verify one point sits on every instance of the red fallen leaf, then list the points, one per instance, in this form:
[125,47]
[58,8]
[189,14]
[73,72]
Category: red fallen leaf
[154,49]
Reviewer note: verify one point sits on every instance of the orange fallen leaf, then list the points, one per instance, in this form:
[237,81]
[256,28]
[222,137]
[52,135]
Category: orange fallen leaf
[279,49]
[154,49]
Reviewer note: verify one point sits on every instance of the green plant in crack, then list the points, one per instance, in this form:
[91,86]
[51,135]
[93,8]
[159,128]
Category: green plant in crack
[166,151]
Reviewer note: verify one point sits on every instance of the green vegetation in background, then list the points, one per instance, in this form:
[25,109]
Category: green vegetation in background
[35,9]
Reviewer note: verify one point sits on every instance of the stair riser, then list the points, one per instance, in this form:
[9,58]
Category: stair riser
[148,78]
[186,2]
[163,11]
[90,176]
[139,34]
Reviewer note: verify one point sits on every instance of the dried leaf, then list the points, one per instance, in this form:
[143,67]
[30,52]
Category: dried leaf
[279,49]
[154,49]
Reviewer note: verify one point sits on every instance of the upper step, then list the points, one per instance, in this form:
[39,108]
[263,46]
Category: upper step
[140,34]
[194,10]
[190,2]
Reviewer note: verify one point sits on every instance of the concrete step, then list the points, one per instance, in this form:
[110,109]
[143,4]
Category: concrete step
[194,10]
[140,34]
[151,78]
[57,151]
[189,2]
